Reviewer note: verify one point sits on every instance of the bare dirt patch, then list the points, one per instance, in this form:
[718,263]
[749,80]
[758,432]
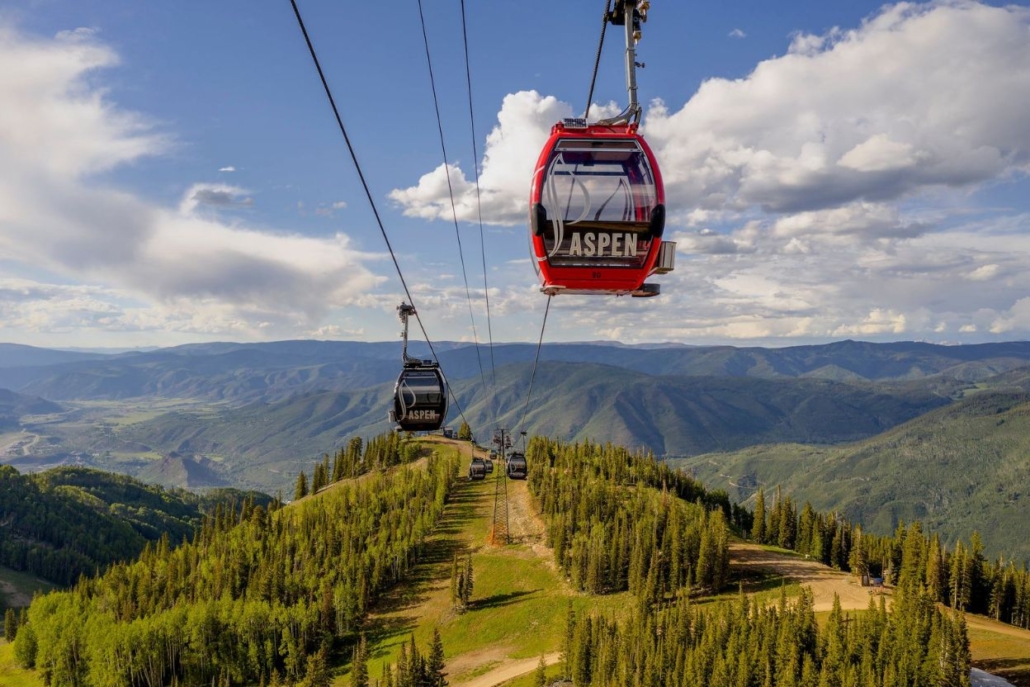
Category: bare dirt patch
[508,671]
[14,597]
[823,581]
[524,525]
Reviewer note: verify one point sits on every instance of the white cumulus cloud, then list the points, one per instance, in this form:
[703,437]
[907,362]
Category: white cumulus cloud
[58,129]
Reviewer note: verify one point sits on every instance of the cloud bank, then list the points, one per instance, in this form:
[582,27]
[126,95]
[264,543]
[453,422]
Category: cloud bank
[58,214]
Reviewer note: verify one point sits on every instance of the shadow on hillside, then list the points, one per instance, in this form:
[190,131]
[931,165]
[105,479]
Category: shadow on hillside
[498,600]
[432,571]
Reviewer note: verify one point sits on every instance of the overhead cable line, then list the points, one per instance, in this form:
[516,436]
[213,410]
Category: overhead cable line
[597,58]
[479,201]
[536,363]
[368,192]
[450,194]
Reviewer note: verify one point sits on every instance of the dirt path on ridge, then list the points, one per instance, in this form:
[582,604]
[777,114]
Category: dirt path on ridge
[823,581]
[509,671]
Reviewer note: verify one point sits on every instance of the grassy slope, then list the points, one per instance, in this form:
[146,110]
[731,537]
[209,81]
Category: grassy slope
[519,602]
[957,469]
[10,674]
[17,588]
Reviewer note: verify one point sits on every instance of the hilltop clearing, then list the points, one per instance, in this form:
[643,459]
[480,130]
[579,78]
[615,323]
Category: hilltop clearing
[825,582]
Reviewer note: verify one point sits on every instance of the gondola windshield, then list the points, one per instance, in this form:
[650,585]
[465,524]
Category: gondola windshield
[598,198]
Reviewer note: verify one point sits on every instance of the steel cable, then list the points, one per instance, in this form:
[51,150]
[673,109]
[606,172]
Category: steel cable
[368,194]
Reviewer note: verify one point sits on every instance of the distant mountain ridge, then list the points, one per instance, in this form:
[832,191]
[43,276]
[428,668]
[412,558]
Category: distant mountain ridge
[17,355]
[13,406]
[259,442]
[243,373]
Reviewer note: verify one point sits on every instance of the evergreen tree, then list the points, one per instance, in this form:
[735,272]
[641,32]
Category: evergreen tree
[456,583]
[467,583]
[540,676]
[10,625]
[317,674]
[758,529]
[435,663]
[359,666]
[302,487]
[464,432]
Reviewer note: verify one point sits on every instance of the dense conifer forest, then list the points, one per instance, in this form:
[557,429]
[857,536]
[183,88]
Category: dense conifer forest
[622,521]
[744,644]
[277,595]
[68,522]
[258,595]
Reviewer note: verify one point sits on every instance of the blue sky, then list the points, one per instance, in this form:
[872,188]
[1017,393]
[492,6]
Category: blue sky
[171,172]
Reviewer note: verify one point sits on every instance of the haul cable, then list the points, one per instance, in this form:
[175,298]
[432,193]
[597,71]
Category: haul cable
[368,193]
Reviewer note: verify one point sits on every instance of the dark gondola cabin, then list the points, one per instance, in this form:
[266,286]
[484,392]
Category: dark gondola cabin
[597,211]
[420,398]
[517,467]
[477,469]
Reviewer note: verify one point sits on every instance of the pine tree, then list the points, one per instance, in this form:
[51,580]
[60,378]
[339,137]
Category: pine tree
[435,664]
[319,478]
[317,674]
[359,667]
[10,625]
[464,432]
[455,583]
[466,583]
[758,529]
[302,487]
[540,676]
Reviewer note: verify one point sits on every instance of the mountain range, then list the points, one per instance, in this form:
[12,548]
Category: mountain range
[253,415]
[267,371]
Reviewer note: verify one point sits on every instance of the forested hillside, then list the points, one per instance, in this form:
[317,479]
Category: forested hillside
[259,595]
[576,401]
[957,575]
[68,522]
[281,594]
[744,643]
[957,469]
[619,521]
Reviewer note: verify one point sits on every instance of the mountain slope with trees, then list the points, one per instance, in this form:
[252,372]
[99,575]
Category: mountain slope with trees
[259,594]
[960,468]
[282,593]
[68,522]
[574,401]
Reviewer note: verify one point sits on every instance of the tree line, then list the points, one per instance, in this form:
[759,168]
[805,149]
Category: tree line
[258,595]
[619,520]
[747,644]
[960,577]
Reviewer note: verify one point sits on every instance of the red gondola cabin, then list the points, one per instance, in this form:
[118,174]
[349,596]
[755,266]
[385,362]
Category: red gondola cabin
[597,211]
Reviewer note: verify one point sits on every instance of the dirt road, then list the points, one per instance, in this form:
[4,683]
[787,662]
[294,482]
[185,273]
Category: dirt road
[509,671]
[824,582]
